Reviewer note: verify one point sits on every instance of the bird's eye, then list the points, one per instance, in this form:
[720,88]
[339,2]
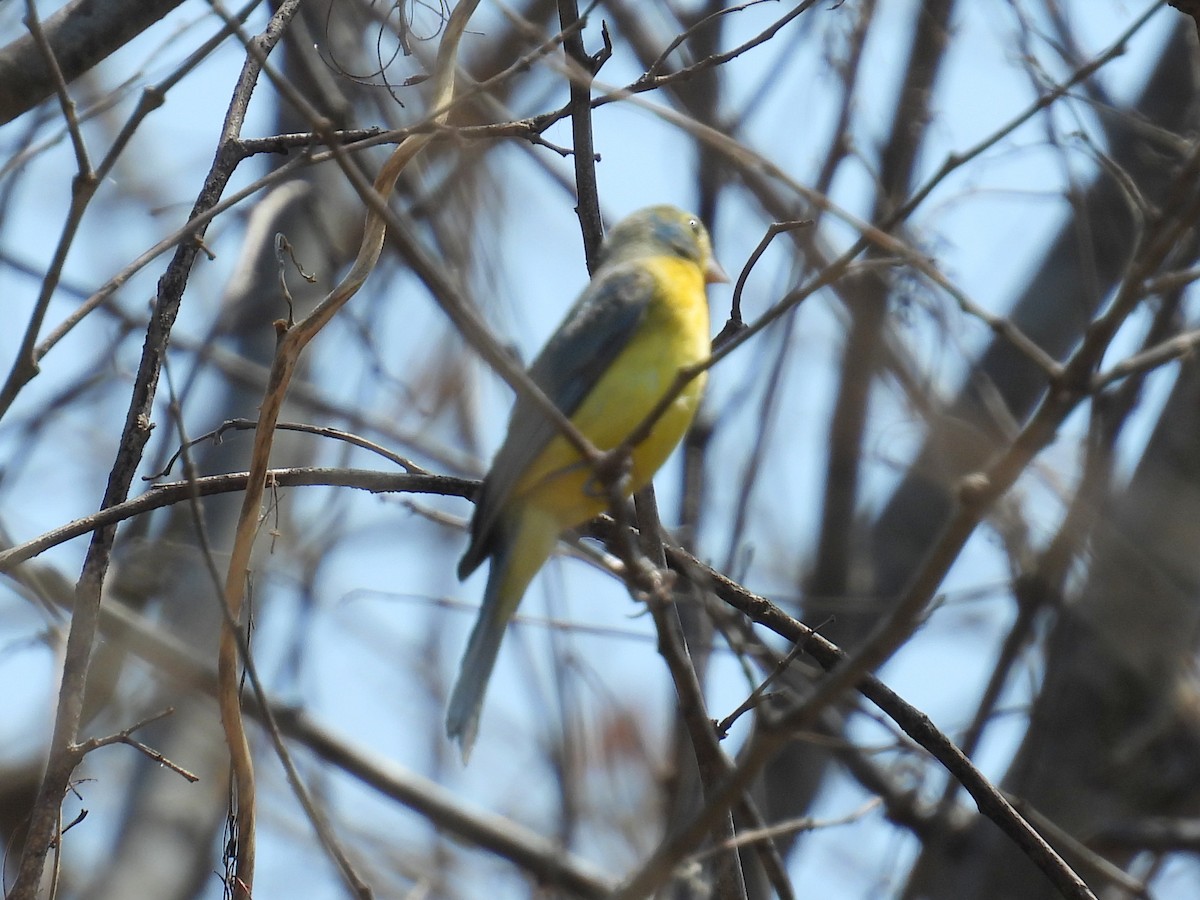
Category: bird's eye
[694,224]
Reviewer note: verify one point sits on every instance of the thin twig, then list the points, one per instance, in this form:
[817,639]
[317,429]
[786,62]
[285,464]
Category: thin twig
[1177,347]
[548,862]
[645,577]
[135,434]
[324,831]
[124,736]
[587,197]
[168,494]
[291,342]
[304,428]
[791,826]
[83,188]
[911,720]
[735,323]
[759,695]
[34,24]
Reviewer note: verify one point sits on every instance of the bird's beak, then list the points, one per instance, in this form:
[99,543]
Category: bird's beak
[714,274]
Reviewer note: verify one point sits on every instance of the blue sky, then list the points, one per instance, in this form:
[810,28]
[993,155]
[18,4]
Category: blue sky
[376,595]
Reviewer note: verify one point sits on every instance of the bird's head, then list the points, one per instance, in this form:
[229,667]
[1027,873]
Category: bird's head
[663,231]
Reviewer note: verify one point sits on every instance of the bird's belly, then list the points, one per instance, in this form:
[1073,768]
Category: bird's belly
[561,483]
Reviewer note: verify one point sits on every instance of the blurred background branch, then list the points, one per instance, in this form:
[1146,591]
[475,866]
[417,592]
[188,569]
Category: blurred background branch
[997,275]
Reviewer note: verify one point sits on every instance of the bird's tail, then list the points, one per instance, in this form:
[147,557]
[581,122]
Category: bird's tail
[519,553]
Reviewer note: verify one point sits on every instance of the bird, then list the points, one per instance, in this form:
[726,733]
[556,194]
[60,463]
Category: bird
[641,319]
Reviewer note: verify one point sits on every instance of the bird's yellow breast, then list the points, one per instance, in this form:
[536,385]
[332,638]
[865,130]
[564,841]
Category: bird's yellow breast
[673,333]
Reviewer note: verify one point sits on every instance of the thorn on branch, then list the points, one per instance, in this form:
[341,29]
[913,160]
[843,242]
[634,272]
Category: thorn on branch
[83,814]
[604,54]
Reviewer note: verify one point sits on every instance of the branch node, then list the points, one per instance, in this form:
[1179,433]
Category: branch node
[973,489]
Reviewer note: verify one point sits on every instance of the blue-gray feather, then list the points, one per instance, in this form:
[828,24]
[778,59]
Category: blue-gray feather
[599,325]
[466,700]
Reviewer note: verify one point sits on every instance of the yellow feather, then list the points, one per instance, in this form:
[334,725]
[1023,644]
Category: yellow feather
[523,510]
[674,334]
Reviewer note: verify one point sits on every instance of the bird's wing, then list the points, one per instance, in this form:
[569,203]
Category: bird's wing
[596,330]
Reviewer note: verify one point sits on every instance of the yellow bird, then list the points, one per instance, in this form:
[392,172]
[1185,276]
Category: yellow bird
[642,318]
